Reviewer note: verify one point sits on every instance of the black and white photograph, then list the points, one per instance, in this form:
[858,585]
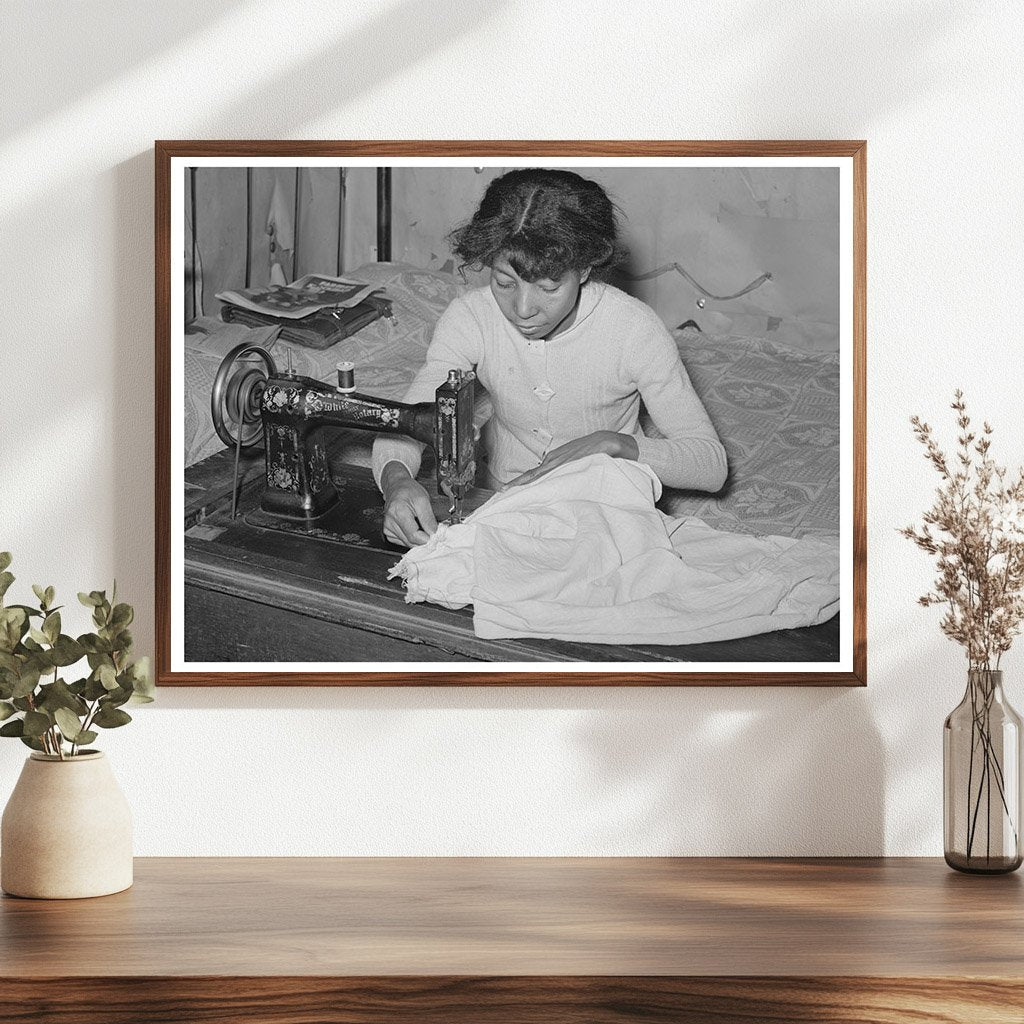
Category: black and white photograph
[571,417]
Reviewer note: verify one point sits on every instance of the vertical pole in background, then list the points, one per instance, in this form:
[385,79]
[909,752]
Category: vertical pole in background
[248,227]
[384,214]
[295,234]
[341,217]
[195,248]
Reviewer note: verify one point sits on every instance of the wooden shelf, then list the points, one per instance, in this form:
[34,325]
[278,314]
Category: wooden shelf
[522,939]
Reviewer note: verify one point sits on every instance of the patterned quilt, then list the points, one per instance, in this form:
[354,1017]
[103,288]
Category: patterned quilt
[775,408]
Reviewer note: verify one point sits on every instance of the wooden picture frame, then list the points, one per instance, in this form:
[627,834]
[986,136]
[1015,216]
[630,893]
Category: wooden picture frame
[290,598]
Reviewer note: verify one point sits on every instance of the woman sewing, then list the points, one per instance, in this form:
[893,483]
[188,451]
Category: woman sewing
[565,357]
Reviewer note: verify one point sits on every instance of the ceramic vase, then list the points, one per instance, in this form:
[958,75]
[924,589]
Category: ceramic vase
[982,775]
[66,830]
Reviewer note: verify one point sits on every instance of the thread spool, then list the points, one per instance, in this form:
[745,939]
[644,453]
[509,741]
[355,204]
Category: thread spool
[346,377]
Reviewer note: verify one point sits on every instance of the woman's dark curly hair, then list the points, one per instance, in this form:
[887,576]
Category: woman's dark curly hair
[545,223]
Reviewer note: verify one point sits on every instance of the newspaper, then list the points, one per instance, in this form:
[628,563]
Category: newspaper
[301,297]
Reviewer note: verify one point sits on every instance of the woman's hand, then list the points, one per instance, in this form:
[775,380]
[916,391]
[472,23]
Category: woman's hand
[408,515]
[607,442]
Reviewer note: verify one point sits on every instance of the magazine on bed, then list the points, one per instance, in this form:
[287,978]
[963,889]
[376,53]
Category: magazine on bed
[303,297]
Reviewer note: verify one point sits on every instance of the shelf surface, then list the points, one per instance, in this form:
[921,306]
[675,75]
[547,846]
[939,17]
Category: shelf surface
[497,917]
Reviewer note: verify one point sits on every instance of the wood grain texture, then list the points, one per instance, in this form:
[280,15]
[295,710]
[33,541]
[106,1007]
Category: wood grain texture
[522,1000]
[165,150]
[575,941]
[529,916]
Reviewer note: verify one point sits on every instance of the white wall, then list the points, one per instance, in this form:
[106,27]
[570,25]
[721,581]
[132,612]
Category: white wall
[936,88]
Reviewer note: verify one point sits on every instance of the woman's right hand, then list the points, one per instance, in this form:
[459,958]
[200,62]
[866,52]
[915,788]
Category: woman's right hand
[408,515]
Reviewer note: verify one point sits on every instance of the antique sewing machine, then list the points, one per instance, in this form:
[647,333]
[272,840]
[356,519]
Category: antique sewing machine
[254,403]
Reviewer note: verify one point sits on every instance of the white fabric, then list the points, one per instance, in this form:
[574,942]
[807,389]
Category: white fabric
[583,554]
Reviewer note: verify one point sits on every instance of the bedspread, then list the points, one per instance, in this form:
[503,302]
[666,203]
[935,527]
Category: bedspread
[776,410]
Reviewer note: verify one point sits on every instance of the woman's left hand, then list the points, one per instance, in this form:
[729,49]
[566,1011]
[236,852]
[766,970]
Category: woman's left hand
[607,442]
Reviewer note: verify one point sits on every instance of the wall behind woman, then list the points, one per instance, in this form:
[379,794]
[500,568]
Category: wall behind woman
[507,771]
[726,227]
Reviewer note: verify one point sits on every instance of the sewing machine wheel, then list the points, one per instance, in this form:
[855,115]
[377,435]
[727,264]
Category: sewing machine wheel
[237,391]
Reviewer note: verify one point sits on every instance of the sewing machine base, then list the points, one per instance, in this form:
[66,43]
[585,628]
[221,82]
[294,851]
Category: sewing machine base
[355,518]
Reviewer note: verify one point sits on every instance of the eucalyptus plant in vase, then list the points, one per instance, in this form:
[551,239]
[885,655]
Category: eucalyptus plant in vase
[66,830]
[975,529]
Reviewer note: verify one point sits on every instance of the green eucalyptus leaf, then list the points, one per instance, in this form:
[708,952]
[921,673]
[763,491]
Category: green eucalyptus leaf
[50,595]
[6,579]
[15,728]
[59,695]
[51,626]
[29,611]
[36,723]
[9,663]
[94,645]
[40,593]
[27,681]
[5,559]
[122,616]
[38,635]
[86,736]
[115,698]
[94,689]
[22,703]
[107,676]
[69,724]
[111,718]
[67,651]
[6,710]
[13,625]
[89,600]
[31,741]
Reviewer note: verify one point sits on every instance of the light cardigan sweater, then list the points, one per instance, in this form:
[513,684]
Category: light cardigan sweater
[590,377]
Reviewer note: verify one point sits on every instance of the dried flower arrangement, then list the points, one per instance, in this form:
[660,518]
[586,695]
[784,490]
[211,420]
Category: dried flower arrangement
[976,530]
[979,540]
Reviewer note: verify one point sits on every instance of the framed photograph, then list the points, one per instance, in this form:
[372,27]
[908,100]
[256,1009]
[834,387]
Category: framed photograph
[492,413]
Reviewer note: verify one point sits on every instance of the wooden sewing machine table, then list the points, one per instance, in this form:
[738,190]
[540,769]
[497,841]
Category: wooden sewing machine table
[509,940]
[263,589]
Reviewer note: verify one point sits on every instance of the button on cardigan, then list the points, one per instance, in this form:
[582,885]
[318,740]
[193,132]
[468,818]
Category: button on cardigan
[590,377]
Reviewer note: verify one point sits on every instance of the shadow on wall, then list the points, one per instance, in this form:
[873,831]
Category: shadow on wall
[694,771]
[811,63]
[396,38]
[107,31]
[726,771]
[393,39]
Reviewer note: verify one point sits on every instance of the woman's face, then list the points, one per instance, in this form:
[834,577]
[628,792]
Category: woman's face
[537,309]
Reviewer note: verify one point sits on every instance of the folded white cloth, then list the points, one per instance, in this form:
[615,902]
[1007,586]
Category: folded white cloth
[583,554]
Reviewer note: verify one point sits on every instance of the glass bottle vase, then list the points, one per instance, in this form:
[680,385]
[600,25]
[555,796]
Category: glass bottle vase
[981,773]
